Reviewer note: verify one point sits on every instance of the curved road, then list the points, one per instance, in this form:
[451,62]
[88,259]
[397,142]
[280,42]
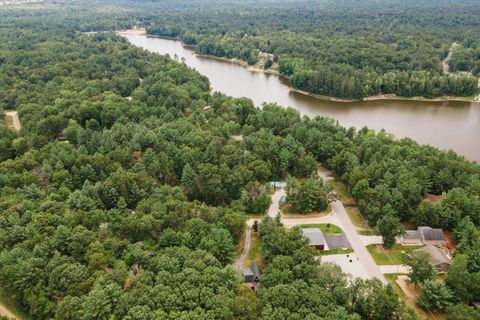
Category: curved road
[337,216]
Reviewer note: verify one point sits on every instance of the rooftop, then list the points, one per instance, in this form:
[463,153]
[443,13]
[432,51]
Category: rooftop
[431,234]
[314,235]
[437,255]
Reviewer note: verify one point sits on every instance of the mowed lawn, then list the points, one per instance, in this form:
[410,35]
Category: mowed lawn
[383,256]
[324,227]
[256,252]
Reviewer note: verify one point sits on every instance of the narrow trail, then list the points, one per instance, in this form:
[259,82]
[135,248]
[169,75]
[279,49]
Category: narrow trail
[446,67]
[16,121]
[241,260]
[6,313]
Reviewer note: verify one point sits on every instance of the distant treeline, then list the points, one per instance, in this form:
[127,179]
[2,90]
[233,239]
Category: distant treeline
[327,48]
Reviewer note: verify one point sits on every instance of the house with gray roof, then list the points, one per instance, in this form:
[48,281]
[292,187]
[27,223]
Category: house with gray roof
[433,236]
[315,238]
[440,260]
[252,275]
[278,185]
[423,235]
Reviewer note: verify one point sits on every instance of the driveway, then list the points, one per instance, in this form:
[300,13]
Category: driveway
[240,261]
[349,263]
[367,240]
[275,206]
[396,268]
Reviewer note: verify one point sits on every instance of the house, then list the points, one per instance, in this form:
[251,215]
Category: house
[432,236]
[278,184]
[251,276]
[423,235]
[315,238]
[440,260]
[411,237]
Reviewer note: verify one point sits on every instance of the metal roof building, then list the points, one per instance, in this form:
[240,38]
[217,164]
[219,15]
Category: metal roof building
[315,237]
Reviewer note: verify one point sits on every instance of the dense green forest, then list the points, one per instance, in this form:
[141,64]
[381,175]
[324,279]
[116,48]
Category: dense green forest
[119,208]
[328,48]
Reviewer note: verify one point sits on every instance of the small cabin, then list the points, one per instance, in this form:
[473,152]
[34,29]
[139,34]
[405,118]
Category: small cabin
[315,238]
[278,185]
[251,276]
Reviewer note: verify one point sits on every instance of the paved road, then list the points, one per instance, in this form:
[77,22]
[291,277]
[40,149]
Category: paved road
[337,216]
[358,247]
[241,260]
[16,121]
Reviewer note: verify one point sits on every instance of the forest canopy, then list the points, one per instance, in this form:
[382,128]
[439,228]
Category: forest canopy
[124,193]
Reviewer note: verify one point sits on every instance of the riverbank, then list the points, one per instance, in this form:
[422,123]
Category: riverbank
[385,97]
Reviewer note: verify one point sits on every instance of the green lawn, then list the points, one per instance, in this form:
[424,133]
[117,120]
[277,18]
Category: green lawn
[255,253]
[341,191]
[326,228]
[393,255]
[334,251]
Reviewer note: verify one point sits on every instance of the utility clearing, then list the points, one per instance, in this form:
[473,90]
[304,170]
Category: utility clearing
[15,121]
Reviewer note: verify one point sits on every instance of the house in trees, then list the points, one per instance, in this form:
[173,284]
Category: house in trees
[424,235]
[440,260]
[278,185]
[315,238]
[251,276]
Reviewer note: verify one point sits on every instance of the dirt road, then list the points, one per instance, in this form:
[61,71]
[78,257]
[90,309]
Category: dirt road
[275,206]
[6,313]
[240,261]
[15,120]
[446,67]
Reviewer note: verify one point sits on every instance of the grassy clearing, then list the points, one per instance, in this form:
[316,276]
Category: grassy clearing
[334,251]
[7,299]
[326,228]
[9,121]
[255,253]
[342,193]
[383,256]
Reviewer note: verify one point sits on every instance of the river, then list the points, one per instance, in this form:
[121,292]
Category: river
[446,124]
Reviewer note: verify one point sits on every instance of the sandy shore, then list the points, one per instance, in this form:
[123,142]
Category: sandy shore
[135,32]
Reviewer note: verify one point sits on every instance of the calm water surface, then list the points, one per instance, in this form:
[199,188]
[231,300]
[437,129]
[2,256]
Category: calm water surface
[446,125]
